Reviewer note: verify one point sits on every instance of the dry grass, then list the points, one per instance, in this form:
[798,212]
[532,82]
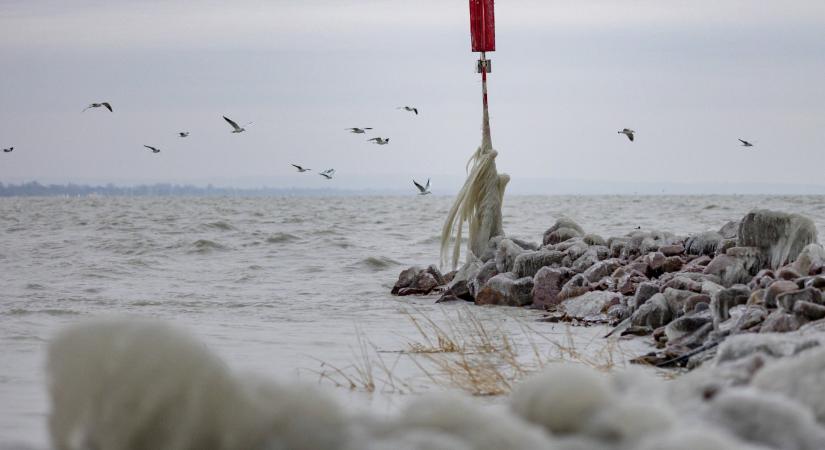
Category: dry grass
[475,354]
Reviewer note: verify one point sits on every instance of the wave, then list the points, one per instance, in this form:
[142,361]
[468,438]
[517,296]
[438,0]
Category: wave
[278,238]
[220,225]
[375,263]
[206,246]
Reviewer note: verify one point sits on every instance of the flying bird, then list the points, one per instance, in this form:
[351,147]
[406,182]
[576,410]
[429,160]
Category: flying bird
[359,130]
[745,143]
[327,173]
[98,105]
[380,140]
[409,108]
[236,128]
[183,134]
[154,150]
[628,132]
[300,169]
[8,150]
[423,190]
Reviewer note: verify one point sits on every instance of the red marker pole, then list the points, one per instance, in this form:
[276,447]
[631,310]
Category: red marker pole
[483,36]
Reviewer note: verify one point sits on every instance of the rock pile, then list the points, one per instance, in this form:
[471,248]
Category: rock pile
[761,274]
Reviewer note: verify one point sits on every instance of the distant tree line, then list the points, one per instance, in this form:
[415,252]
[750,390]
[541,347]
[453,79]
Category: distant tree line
[35,189]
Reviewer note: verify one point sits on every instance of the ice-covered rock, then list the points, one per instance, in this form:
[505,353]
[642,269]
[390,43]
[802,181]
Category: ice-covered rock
[483,274]
[547,285]
[507,290]
[811,260]
[780,236]
[654,313]
[506,255]
[527,264]
[590,304]
[568,225]
[703,244]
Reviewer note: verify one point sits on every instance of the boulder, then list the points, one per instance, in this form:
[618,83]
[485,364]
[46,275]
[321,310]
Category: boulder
[695,300]
[628,280]
[423,283]
[781,237]
[734,267]
[654,313]
[686,325]
[676,300]
[684,283]
[458,287]
[482,276]
[591,305]
[726,299]
[780,321]
[439,277]
[808,310]
[811,260]
[547,284]
[507,290]
[672,264]
[585,261]
[506,255]
[562,223]
[776,288]
[672,249]
[594,239]
[561,235]
[575,287]
[601,269]
[729,230]
[786,300]
[528,264]
[703,243]
[405,279]
[643,293]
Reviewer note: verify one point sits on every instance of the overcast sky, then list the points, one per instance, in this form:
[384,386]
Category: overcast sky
[689,76]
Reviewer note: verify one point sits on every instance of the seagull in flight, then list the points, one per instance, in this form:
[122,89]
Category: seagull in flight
[183,134]
[154,150]
[745,143]
[327,173]
[409,108]
[236,128]
[359,130]
[300,169]
[98,105]
[628,132]
[8,150]
[423,190]
[380,140]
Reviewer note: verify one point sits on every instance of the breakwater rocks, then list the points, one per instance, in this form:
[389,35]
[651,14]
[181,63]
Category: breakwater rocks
[761,274]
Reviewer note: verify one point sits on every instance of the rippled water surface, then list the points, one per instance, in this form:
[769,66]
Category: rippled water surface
[272,284]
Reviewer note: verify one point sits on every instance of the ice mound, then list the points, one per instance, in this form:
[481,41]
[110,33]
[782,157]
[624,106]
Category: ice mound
[133,384]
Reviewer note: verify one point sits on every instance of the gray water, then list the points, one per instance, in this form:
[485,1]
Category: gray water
[273,285]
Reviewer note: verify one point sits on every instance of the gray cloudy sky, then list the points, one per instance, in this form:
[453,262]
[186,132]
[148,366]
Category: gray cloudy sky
[689,76]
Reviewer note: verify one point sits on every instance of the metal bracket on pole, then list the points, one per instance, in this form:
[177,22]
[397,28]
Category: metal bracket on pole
[484,65]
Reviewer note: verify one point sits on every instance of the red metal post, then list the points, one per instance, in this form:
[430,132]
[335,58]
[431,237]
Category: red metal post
[483,37]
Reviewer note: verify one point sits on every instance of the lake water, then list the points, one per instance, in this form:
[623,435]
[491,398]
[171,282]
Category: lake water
[273,285]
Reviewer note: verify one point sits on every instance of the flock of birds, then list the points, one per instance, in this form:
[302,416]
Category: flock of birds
[630,135]
[328,173]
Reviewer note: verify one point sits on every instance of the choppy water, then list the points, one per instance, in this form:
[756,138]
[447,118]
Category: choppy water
[273,285]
